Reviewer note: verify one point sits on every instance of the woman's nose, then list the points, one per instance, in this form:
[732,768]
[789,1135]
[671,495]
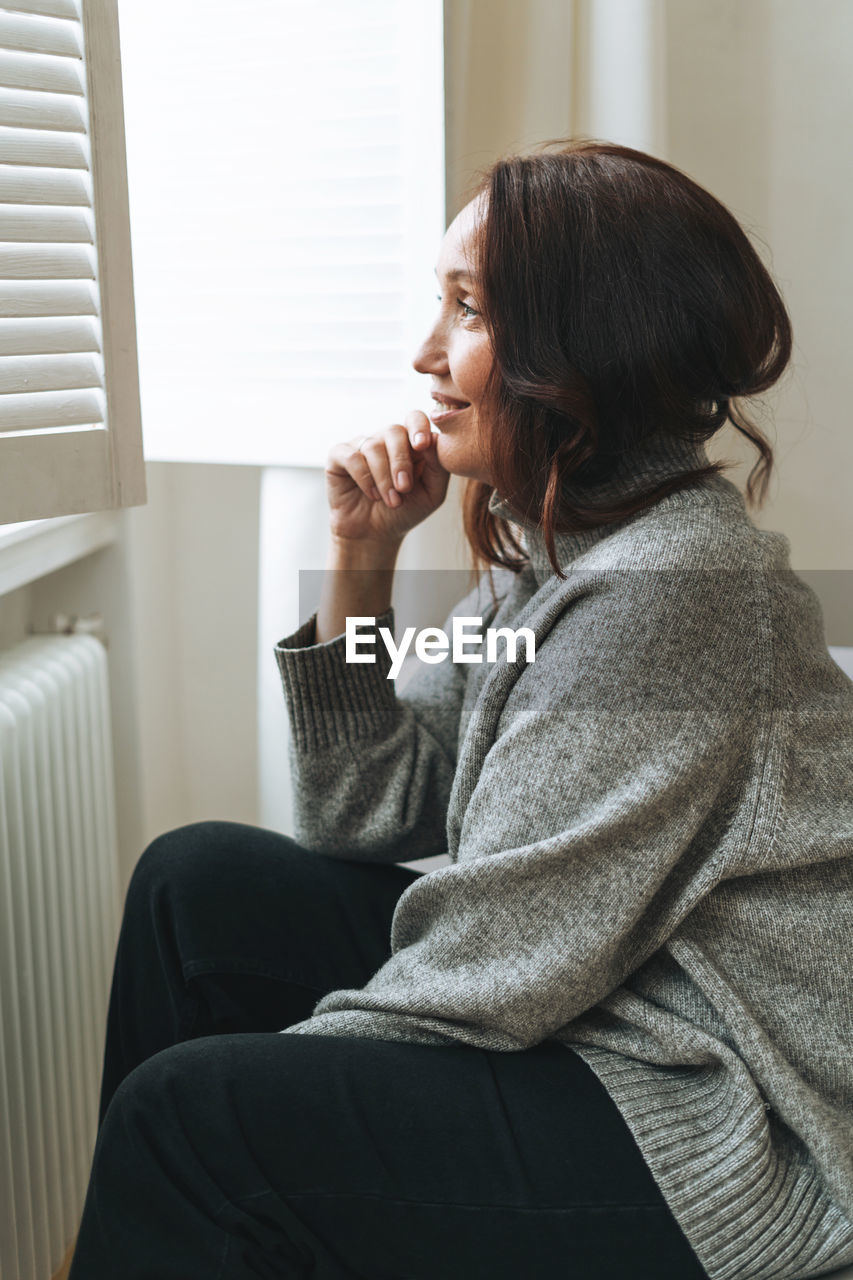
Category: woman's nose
[430,356]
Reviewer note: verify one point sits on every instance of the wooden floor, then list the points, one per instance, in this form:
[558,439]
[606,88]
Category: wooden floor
[62,1273]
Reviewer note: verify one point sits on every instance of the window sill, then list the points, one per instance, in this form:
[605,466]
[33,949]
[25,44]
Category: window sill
[33,548]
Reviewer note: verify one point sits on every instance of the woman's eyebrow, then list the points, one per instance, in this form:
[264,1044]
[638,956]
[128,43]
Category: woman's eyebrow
[459,274]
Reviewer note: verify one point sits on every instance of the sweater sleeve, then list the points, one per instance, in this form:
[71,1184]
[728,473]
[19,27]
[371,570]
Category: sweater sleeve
[588,831]
[371,768]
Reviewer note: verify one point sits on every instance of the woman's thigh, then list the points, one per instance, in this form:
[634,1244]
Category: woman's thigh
[257,900]
[275,1155]
[230,928]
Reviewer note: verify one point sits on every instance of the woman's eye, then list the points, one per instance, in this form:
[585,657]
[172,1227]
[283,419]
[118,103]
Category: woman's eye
[468,311]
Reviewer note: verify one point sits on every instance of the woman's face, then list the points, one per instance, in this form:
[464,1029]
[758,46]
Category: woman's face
[457,354]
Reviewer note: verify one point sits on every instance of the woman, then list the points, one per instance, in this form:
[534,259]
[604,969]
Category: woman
[612,1038]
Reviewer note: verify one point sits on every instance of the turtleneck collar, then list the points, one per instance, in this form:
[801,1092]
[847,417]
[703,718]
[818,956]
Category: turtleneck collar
[657,458]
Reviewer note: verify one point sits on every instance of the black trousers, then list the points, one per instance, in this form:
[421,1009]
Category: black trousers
[227,1151]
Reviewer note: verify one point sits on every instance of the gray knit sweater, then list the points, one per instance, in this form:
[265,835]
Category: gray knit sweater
[651,834]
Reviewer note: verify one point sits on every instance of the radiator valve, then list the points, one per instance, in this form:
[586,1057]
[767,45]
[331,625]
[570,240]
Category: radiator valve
[65,624]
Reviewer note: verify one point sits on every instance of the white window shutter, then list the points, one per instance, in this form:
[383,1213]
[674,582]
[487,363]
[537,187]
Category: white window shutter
[70,432]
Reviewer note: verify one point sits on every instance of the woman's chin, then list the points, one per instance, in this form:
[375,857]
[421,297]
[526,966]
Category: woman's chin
[454,461]
[448,455]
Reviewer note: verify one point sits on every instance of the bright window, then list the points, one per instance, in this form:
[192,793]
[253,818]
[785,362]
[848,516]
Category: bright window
[286,177]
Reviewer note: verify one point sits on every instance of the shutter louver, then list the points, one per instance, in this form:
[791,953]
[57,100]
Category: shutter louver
[69,405]
[46,230]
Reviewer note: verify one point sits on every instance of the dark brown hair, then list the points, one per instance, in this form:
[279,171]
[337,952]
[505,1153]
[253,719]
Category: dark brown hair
[621,300]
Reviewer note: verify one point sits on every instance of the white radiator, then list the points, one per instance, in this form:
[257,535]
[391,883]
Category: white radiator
[59,917]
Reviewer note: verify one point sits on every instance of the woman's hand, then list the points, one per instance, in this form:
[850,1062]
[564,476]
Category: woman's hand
[380,486]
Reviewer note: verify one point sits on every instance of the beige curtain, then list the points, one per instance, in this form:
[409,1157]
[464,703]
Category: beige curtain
[523,71]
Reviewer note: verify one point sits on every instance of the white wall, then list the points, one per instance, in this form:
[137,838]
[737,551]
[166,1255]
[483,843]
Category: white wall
[14,616]
[506,82]
[760,101]
[194,576]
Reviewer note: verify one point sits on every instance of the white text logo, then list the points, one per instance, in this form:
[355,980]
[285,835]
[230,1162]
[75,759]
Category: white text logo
[432,643]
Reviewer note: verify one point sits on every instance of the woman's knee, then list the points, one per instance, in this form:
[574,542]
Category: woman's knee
[212,870]
[195,854]
[150,1087]
[183,1097]
[171,861]
[166,1117]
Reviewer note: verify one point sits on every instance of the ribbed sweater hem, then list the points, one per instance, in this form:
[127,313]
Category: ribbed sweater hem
[746,1214]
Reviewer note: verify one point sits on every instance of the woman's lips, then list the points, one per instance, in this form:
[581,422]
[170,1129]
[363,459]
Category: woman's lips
[443,412]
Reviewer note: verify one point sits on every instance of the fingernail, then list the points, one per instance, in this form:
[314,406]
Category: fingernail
[402,480]
[394,498]
[420,436]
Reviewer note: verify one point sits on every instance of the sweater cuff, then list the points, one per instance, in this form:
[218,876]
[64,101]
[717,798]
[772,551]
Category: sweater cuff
[331,701]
